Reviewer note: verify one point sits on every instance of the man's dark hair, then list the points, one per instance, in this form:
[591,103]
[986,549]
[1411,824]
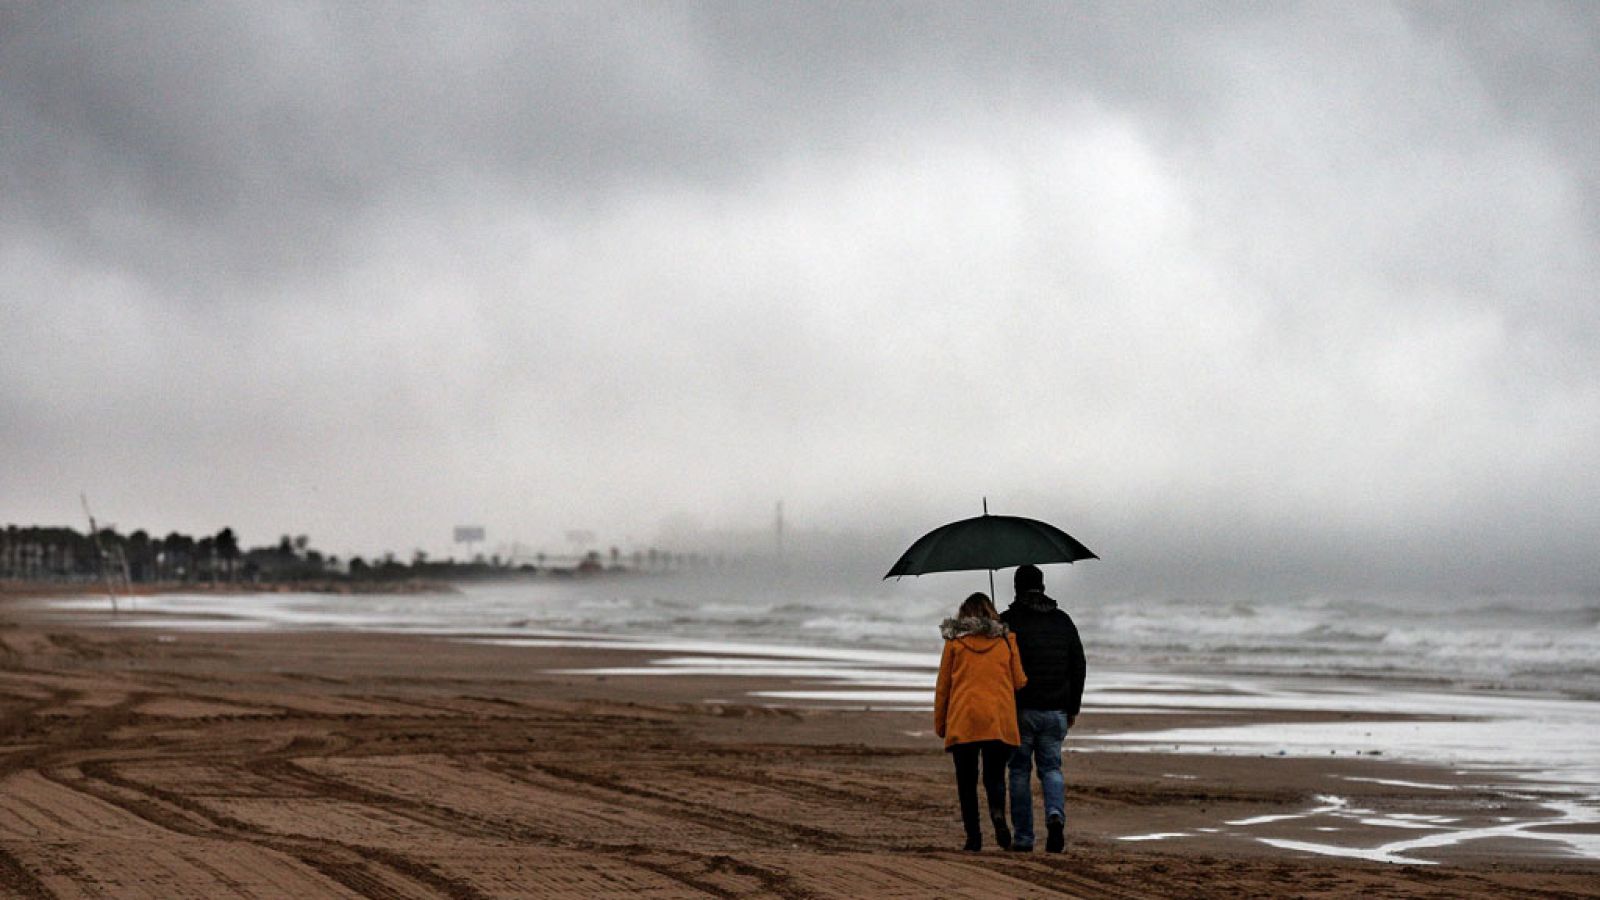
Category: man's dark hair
[1029,578]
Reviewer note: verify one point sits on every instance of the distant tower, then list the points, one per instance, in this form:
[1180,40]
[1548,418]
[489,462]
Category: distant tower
[777,529]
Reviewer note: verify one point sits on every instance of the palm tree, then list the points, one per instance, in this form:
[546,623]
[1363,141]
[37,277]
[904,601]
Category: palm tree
[205,550]
[227,544]
[179,550]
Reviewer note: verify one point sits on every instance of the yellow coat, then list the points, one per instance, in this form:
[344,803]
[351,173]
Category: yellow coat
[979,675]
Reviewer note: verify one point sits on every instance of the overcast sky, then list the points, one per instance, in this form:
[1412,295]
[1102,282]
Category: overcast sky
[1236,293]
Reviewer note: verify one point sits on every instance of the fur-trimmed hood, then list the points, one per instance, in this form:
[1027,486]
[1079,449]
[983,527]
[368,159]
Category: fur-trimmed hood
[967,626]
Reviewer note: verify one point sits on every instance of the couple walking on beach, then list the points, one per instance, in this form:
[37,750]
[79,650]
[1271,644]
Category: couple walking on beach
[1010,685]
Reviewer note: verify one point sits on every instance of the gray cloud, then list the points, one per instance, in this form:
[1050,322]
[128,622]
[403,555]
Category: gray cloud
[1276,296]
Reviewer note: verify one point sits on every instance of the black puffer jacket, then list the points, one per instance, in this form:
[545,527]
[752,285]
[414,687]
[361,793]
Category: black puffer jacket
[1052,654]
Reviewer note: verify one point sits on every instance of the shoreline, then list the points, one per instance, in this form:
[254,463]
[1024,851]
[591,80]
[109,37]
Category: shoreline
[13,589]
[327,762]
[24,590]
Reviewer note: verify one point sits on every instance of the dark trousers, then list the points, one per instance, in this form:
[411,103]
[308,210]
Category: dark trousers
[995,755]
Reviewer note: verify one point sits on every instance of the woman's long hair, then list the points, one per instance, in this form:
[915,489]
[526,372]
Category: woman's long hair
[977,606]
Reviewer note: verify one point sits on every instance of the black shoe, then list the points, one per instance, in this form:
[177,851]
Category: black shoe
[1021,848]
[1057,839]
[974,843]
[1002,834]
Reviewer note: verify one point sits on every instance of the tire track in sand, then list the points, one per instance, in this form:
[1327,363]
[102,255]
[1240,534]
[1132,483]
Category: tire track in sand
[18,881]
[1075,882]
[348,864]
[670,805]
[717,874]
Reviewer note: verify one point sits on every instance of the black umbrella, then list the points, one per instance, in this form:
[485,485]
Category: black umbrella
[989,542]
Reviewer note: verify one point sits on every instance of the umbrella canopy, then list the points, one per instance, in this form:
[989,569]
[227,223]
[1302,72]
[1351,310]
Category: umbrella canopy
[989,542]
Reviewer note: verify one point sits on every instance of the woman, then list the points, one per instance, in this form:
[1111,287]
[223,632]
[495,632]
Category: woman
[975,711]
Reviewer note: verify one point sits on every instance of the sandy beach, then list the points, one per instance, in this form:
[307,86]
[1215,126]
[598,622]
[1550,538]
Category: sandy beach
[145,763]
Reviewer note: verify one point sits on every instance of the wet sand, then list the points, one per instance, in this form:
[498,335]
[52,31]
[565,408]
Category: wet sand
[166,764]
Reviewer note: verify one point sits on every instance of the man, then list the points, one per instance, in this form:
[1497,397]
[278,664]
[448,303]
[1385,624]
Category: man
[1052,657]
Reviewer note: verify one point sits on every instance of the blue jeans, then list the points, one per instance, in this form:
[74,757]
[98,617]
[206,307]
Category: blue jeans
[1043,730]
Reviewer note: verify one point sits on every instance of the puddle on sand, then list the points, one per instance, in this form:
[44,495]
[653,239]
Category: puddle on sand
[1571,824]
[1545,742]
[1396,782]
[1263,820]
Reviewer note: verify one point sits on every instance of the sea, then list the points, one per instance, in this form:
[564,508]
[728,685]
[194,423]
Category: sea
[1543,644]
